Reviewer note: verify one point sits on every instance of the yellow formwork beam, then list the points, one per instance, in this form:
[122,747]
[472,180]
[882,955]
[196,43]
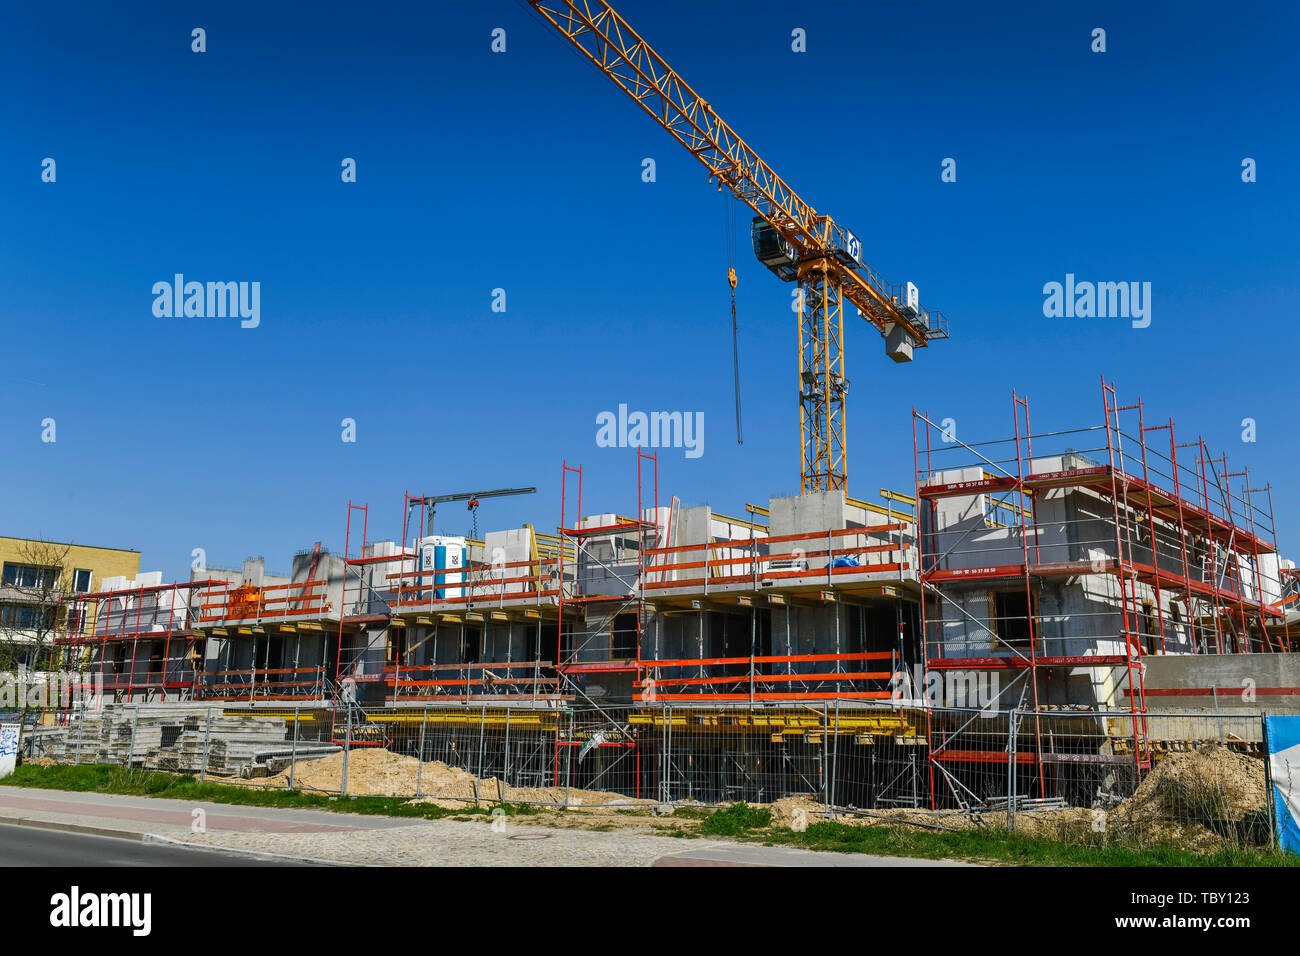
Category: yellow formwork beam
[289,715]
[782,722]
[516,718]
[875,509]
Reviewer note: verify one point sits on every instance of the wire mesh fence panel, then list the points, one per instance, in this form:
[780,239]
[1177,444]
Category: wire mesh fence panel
[830,753]
[1203,786]
[601,758]
[1193,780]
[470,755]
[970,756]
[705,759]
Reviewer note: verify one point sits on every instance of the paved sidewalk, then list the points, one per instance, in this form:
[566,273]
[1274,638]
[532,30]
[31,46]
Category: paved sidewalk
[466,843]
[355,839]
[137,816]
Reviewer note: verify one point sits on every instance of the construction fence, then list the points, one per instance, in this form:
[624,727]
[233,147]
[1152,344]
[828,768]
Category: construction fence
[1195,780]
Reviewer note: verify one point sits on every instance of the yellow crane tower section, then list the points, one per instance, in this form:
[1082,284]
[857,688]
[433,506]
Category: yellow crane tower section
[790,237]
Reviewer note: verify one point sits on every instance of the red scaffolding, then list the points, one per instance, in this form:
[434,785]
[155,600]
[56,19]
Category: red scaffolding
[1191,551]
[100,620]
[391,599]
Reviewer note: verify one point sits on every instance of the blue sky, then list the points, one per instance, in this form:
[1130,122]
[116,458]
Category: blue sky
[522,171]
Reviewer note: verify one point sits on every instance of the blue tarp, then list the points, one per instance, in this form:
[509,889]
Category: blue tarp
[1284,767]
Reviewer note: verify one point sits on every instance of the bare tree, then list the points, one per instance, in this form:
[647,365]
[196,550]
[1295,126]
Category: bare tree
[31,592]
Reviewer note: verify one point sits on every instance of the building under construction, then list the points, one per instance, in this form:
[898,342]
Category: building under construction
[1094,576]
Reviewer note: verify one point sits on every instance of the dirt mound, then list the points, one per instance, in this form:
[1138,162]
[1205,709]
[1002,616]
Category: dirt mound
[371,772]
[788,809]
[374,771]
[1212,783]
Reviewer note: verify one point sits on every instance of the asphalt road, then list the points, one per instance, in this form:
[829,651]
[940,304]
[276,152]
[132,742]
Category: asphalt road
[34,846]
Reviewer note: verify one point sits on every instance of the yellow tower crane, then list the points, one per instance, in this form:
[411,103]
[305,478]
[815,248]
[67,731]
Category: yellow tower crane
[790,237]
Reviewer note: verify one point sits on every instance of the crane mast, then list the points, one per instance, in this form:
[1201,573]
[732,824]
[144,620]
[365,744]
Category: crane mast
[790,237]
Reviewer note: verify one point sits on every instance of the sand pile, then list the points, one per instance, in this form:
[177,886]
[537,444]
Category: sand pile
[373,771]
[1210,783]
[1201,800]
[786,810]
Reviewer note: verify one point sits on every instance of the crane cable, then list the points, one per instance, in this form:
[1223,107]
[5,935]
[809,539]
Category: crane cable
[730,213]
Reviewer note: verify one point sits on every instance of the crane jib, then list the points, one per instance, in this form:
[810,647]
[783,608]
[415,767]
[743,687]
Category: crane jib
[790,237]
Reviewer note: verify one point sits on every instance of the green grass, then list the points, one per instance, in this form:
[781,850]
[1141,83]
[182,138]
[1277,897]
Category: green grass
[754,824]
[736,820]
[692,813]
[995,847]
[103,778]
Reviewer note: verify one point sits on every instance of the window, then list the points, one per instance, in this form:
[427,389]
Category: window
[471,645]
[1148,629]
[1009,611]
[27,576]
[81,580]
[623,636]
[1003,512]
[25,617]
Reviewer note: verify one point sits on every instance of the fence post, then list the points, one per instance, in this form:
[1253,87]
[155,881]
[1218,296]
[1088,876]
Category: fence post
[419,766]
[505,760]
[1214,690]
[662,755]
[293,752]
[668,752]
[825,788]
[835,758]
[207,741]
[482,726]
[1269,805]
[135,723]
[1012,764]
[81,729]
[347,747]
[568,762]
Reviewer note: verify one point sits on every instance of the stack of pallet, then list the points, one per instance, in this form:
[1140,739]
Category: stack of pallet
[163,738]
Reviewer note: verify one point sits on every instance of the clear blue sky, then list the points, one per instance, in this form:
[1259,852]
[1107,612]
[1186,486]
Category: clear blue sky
[522,171]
